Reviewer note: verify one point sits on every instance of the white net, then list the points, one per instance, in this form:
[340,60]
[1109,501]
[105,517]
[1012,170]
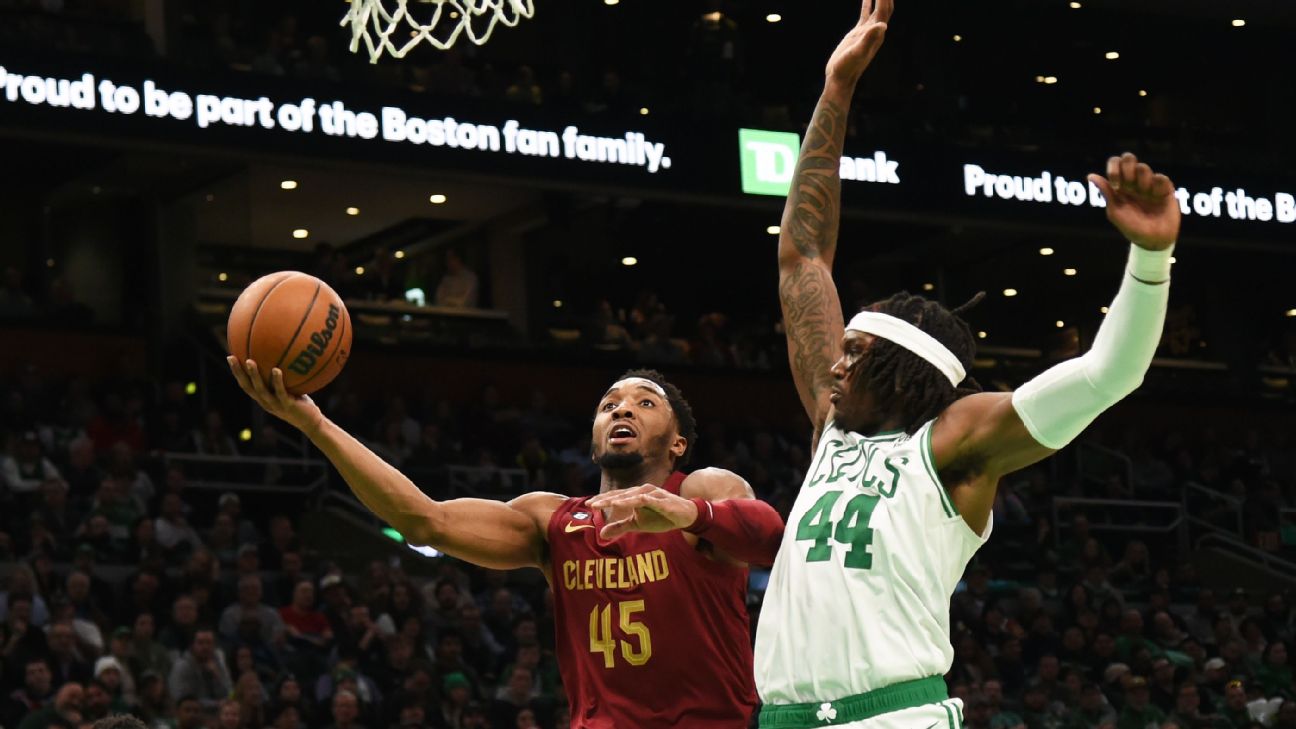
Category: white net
[438,22]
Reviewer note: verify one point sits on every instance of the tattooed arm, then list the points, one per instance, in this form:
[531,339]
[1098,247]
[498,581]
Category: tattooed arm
[812,313]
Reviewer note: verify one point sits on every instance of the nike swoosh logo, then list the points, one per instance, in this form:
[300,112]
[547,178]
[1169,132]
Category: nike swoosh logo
[577,527]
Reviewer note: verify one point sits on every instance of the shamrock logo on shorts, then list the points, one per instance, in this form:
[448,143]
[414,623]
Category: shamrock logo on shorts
[826,712]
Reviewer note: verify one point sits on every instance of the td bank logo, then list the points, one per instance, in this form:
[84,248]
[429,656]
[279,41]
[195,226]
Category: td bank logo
[768,160]
[768,163]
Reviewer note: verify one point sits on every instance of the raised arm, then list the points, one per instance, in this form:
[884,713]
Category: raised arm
[487,533]
[812,313]
[982,437]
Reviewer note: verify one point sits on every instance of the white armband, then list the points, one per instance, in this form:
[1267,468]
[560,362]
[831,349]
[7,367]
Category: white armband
[1062,401]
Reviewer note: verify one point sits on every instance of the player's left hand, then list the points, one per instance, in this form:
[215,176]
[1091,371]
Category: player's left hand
[651,509]
[1140,203]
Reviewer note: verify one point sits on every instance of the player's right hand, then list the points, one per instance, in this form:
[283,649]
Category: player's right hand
[861,44]
[298,411]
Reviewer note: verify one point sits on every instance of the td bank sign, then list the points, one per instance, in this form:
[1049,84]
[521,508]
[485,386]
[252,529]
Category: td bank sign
[768,162]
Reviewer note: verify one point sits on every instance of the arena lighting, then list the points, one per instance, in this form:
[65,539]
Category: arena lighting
[1068,272]
[1010,292]
[773,18]
[1291,312]
[1046,251]
[1075,5]
[773,230]
[1111,55]
[643,111]
[1097,109]
[398,255]
[222,277]
[359,270]
[1102,309]
[1142,92]
[49,263]
[1050,80]
[929,287]
[191,388]
[981,335]
[353,211]
[957,38]
[288,185]
[629,261]
[245,435]
[1059,323]
[611,2]
[1238,22]
[1173,259]
[557,303]
[301,233]
[437,199]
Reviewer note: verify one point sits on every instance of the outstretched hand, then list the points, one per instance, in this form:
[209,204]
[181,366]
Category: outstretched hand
[652,509]
[297,410]
[1140,203]
[861,44]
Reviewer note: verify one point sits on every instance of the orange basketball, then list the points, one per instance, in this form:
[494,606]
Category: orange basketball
[295,322]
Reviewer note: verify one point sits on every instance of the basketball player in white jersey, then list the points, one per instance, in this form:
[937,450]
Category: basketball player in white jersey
[854,629]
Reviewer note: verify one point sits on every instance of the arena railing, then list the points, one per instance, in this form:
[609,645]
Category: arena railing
[265,474]
[1133,515]
[1268,561]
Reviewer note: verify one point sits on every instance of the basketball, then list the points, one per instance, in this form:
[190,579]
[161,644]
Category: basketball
[295,322]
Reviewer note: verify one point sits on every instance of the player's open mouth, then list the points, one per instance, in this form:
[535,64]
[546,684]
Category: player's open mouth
[621,434]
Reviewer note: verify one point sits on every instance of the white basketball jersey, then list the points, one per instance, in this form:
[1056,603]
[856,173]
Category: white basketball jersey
[859,596]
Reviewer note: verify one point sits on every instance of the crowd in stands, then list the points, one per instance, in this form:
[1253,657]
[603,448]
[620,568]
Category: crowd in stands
[126,589]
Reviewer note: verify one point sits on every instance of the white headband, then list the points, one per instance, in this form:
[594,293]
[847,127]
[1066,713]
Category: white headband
[911,338]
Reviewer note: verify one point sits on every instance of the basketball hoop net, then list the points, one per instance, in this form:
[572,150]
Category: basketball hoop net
[396,32]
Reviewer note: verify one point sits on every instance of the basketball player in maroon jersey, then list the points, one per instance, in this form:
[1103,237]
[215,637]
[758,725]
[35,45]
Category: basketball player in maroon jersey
[650,599]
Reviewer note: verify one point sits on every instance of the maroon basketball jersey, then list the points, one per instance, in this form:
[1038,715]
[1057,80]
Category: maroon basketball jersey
[651,633]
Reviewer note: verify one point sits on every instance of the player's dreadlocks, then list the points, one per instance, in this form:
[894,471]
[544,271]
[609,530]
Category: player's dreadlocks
[680,406]
[902,381]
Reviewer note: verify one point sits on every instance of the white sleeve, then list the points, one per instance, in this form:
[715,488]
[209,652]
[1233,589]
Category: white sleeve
[1062,401]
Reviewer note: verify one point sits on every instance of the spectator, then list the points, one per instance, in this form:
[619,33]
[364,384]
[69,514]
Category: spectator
[27,468]
[212,439]
[146,653]
[231,505]
[1139,711]
[68,664]
[1188,713]
[458,286]
[172,530]
[229,716]
[65,711]
[33,695]
[22,582]
[1093,711]
[201,672]
[190,712]
[250,608]
[346,711]
[516,694]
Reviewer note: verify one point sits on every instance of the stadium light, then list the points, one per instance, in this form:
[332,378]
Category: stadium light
[1046,251]
[359,270]
[1102,309]
[437,199]
[245,435]
[1238,22]
[191,388]
[773,230]
[1068,272]
[1111,55]
[773,18]
[1291,312]
[643,111]
[353,211]
[1142,92]
[398,255]
[958,38]
[1075,5]
[1097,109]
[1010,292]
[301,233]
[1059,323]
[929,286]
[288,185]
[981,335]
[1050,80]
[222,277]
[557,303]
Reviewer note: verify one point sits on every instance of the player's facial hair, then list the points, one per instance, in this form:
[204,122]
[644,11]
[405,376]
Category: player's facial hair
[617,461]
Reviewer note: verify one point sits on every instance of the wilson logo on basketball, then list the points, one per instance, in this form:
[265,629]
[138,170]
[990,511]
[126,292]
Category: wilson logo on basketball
[306,359]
